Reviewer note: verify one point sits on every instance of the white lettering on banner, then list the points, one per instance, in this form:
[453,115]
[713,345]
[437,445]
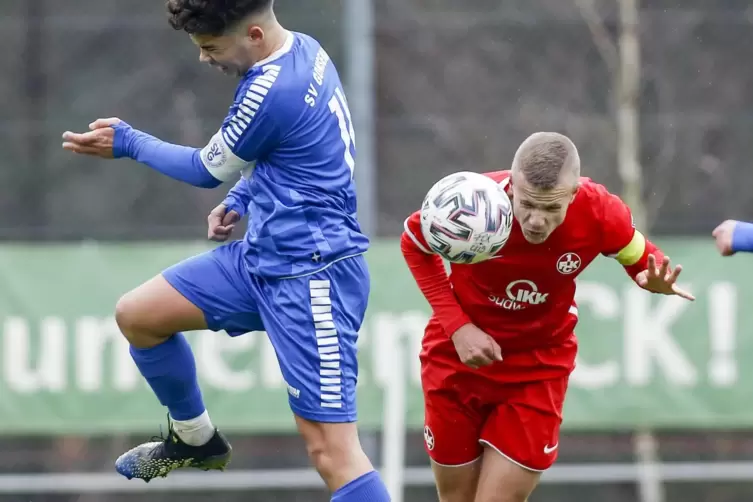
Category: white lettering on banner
[603,304]
[722,328]
[649,340]
[383,351]
[363,342]
[630,338]
[271,374]
[406,328]
[418,325]
[94,336]
[51,358]
[211,353]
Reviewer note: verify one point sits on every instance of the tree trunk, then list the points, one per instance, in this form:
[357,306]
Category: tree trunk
[628,111]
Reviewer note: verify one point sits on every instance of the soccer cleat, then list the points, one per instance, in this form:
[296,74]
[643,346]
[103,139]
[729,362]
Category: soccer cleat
[161,456]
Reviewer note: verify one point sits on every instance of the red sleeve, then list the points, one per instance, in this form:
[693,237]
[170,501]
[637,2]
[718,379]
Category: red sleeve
[430,275]
[620,238]
[642,263]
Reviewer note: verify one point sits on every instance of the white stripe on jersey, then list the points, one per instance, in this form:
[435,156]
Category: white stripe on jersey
[414,238]
[218,156]
[253,99]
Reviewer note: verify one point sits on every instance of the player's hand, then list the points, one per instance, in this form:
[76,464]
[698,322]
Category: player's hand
[722,234]
[97,142]
[662,279]
[221,223]
[475,348]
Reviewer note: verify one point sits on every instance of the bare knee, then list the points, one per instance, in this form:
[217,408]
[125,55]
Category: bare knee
[133,323]
[512,496]
[335,451]
[501,480]
[456,493]
[126,314]
[503,493]
[457,483]
[326,455]
[153,312]
[333,455]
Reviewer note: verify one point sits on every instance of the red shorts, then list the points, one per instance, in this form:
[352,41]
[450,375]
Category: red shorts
[466,409]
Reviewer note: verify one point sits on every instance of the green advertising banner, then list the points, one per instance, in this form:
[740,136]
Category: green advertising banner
[645,360]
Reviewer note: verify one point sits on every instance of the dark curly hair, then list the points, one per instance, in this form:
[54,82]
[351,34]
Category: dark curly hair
[212,17]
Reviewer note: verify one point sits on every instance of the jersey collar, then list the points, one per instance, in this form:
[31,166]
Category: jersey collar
[286,46]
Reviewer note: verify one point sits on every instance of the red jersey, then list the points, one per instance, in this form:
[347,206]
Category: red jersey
[524,297]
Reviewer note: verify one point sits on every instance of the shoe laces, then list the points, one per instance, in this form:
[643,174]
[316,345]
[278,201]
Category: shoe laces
[171,436]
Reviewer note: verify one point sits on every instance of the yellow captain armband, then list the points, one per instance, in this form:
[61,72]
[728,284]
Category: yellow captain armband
[630,254]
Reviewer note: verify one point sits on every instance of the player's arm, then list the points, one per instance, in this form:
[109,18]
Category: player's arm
[428,270]
[635,254]
[733,236]
[742,237]
[112,138]
[182,163]
[249,132]
[238,198]
[621,240]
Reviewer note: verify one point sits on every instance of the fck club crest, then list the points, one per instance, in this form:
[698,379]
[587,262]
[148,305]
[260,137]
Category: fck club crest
[568,263]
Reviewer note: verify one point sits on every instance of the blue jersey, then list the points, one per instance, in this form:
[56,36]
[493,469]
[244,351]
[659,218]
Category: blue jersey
[289,133]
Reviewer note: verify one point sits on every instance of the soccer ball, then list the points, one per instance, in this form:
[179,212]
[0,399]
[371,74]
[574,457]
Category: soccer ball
[466,217]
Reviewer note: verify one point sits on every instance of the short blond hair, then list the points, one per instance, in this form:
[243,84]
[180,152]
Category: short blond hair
[547,158]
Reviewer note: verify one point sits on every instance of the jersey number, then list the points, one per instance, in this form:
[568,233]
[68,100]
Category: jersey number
[339,107]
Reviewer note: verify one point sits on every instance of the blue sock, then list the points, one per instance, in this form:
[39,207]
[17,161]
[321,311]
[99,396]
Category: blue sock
[170,370]
[367,488]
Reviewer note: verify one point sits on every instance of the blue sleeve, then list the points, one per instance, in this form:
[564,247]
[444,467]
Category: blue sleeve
[182,163]
[238,197]
[742,237]
[255,125]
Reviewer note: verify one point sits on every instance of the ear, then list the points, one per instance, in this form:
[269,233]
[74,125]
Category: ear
[255,33]
[575,192]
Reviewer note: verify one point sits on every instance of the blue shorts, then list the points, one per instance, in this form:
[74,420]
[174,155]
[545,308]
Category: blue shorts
[312,322]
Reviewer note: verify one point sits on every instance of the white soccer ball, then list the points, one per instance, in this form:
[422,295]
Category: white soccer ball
[466,217]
